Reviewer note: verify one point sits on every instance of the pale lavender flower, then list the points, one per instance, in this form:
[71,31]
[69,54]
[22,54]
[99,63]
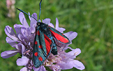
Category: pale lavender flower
[9,3]
[11,8]
[22,40]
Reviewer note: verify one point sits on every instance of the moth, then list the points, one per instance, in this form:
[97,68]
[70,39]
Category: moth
[44,42]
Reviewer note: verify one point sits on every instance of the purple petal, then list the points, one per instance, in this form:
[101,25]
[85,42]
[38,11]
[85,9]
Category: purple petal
[47,21]
[21,48]
[57,23]
[78,65]
[10,53]
[74,53]
[33,15]
[11,42]
[58,28]
[24,32]
[71,35]
[22,61]
[29,16]
[41,68]
[55,68]
[33,22]
[32,19]
[24,69]
[39,20]
[32,29]
[65,65]
[18,25]
[61,29]
[50,24]
[23,20]
[18,28]
[10,32]
[70,64]
[21,37]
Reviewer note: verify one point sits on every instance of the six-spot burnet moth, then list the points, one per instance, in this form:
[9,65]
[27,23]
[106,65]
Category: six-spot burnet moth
[44,42]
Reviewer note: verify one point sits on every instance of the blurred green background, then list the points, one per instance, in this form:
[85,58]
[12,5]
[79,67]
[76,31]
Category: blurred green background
[91,19]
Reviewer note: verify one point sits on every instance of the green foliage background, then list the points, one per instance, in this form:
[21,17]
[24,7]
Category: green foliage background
[91,19]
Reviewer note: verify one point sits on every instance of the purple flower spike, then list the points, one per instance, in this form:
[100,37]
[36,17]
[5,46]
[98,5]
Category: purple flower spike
[23,39]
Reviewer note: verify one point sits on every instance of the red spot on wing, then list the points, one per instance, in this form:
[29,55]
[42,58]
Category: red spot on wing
[40,58]
[59,37]
[40,46]
[35,42]
[48,43]
[36,53]
[38,32]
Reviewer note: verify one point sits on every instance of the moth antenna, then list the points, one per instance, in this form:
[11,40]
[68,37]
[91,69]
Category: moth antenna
[25,13]
[40,8]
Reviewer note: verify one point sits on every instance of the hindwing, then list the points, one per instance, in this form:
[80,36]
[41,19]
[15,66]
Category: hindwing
[59,36]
